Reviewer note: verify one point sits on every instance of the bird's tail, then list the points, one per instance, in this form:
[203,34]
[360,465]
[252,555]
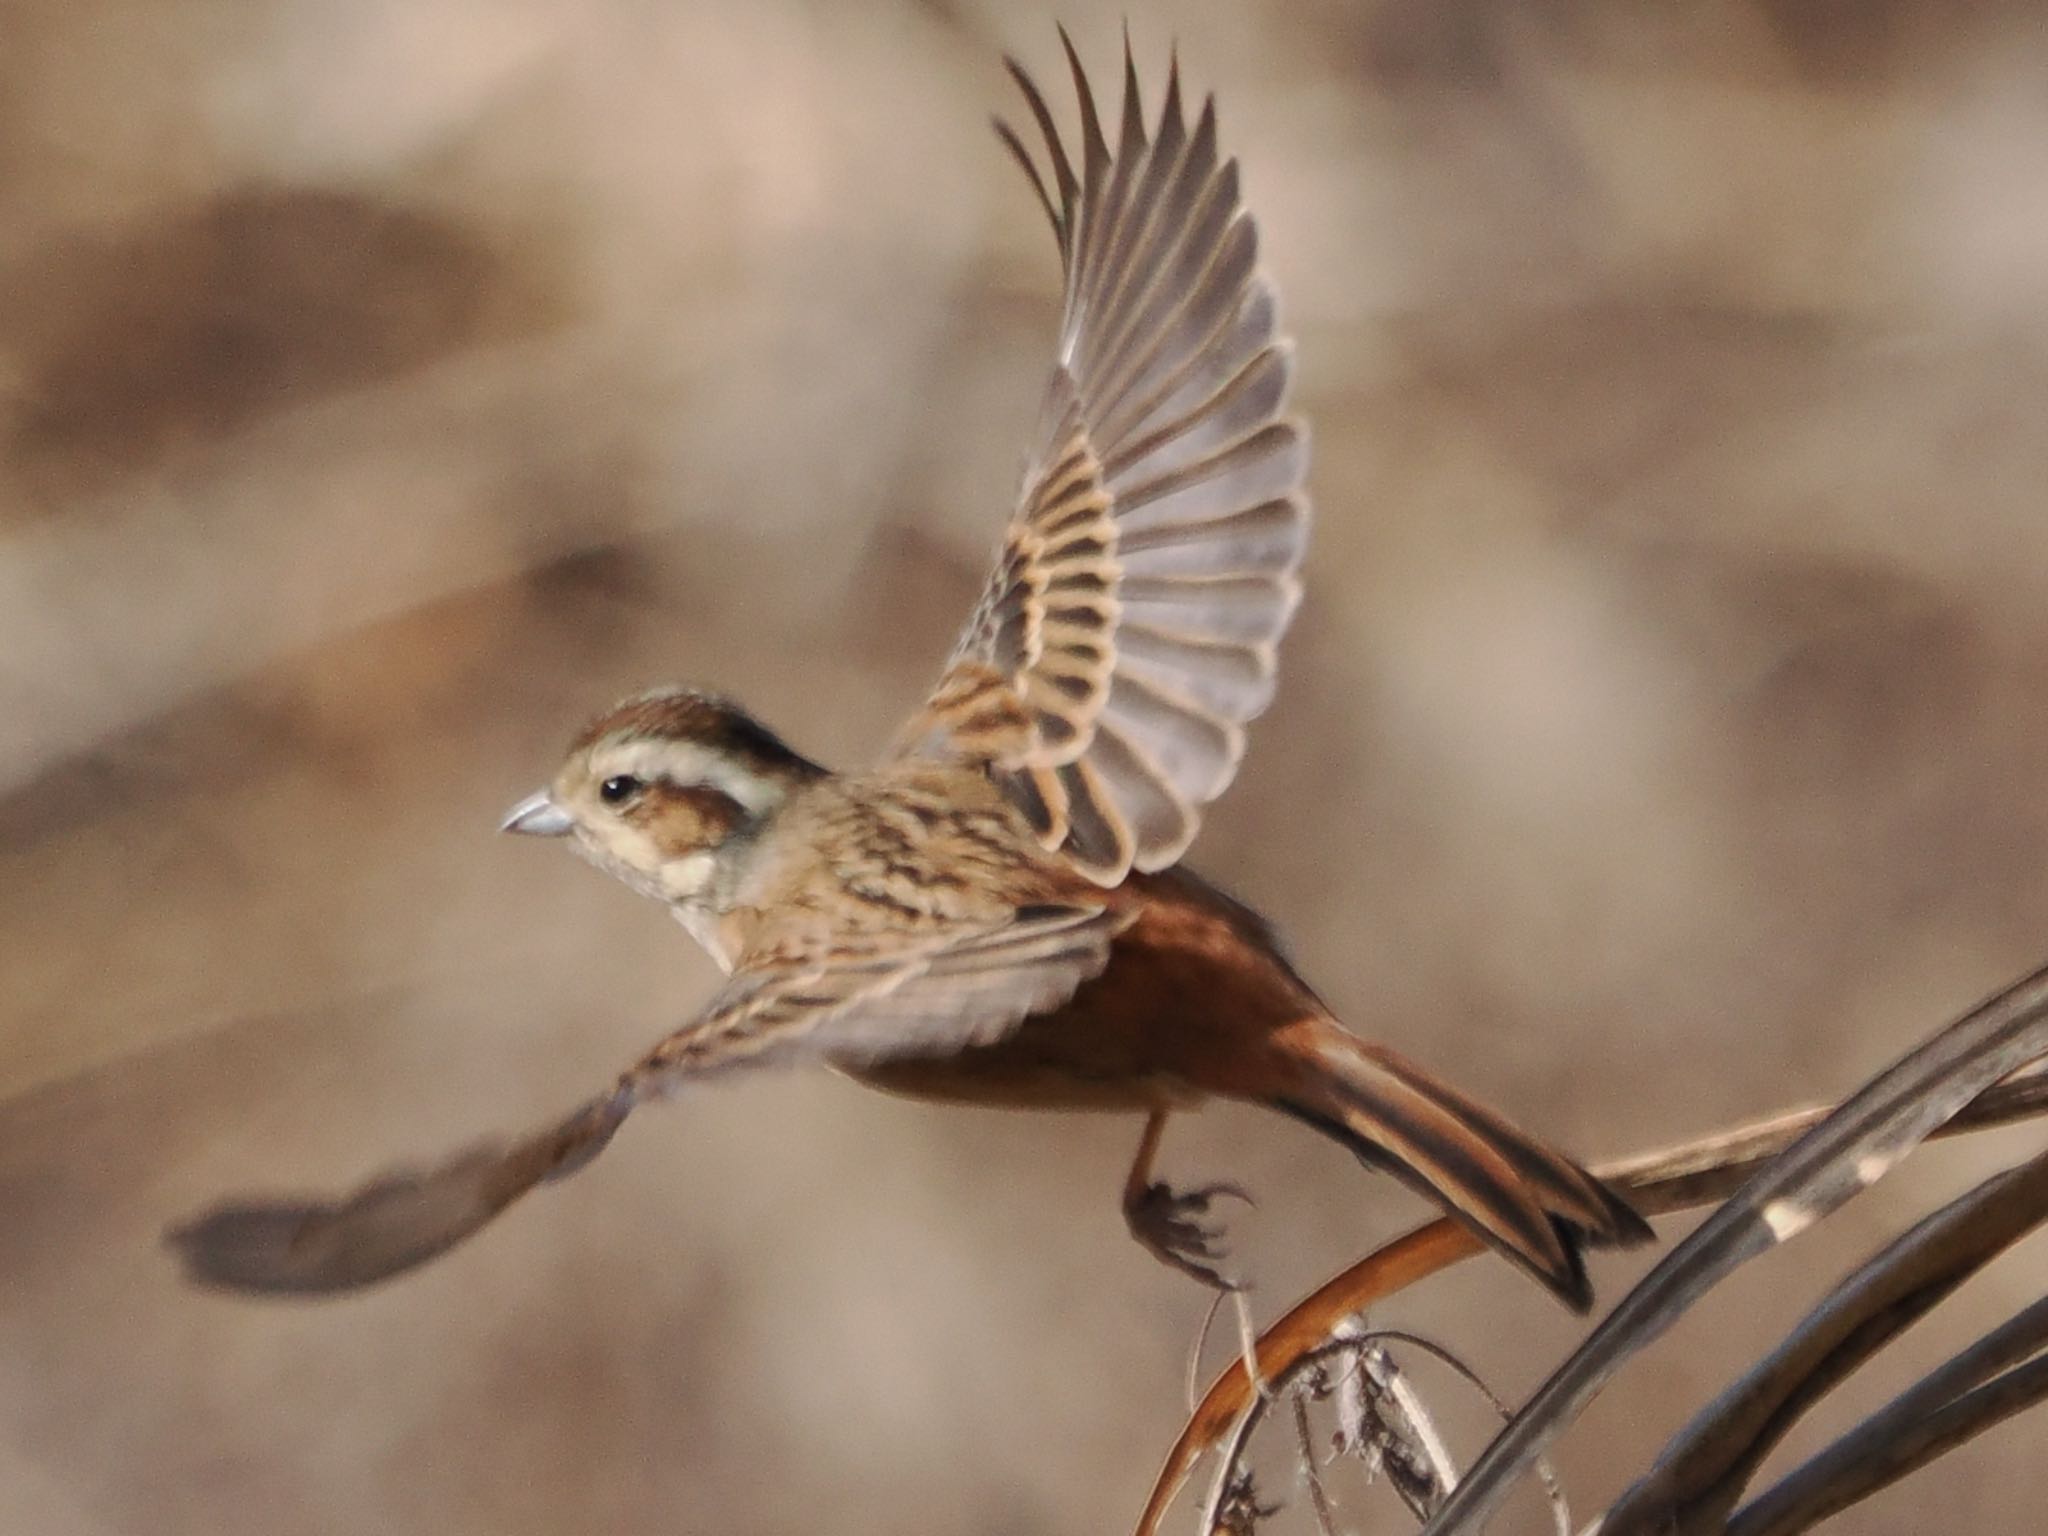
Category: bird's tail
[1529,1201]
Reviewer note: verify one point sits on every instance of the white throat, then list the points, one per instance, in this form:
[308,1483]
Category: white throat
[701,923]
[688,885]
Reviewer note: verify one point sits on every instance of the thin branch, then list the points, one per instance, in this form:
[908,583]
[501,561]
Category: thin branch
[1677,1178]
[1697,1480]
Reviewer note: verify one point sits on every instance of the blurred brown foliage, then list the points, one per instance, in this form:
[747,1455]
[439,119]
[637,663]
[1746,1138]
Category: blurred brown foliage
[385,387]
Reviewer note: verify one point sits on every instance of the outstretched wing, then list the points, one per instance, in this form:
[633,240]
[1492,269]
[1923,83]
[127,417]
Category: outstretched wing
[860,1003]
[1130,628]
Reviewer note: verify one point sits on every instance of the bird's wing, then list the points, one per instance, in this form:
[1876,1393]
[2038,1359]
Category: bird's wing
[1130,627]
[859,1002]
[870,998]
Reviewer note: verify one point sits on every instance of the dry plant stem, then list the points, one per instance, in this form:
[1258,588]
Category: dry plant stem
[1194,1370]
[1438,1453]
[1305,1445]
[1420,1486]
[1677,1178]
[1930,1418]
[1850,1150]
[1700,1476]
[1286,1345]
[1357,1349]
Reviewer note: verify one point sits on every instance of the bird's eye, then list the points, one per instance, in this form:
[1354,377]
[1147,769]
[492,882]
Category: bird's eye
[619,788]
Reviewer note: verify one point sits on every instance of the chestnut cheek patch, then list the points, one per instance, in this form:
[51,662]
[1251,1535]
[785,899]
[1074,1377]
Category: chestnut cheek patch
[683,817]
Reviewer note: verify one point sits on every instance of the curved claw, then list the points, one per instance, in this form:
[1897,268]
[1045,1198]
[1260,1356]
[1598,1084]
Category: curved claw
[1169,1223]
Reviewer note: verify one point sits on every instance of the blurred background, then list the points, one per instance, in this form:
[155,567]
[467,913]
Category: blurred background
[385,387]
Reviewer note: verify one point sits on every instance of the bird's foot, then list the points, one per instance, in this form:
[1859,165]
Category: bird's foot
[1176,1228]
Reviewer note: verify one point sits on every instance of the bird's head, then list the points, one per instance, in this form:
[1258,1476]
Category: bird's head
[665,791]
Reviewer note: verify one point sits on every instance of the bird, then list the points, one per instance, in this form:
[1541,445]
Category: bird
[997,912]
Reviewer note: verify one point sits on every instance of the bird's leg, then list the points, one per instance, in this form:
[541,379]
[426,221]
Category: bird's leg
[1172,1225]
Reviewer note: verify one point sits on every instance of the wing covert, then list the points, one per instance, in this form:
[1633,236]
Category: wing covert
[871,997]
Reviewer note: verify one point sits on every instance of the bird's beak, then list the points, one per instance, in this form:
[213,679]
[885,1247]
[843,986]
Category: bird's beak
[537,816]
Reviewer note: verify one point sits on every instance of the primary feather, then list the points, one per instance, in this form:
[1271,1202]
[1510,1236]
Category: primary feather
[1131,626]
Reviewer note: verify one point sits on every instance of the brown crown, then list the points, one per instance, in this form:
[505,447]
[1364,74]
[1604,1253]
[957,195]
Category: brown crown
[685,714]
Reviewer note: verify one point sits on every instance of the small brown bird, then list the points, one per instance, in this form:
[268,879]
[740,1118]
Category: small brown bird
[993,914]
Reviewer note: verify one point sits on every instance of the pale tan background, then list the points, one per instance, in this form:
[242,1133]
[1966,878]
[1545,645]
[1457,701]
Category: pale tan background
[387,385]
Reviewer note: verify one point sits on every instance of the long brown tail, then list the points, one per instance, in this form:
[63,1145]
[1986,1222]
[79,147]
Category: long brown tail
[1533,1204]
